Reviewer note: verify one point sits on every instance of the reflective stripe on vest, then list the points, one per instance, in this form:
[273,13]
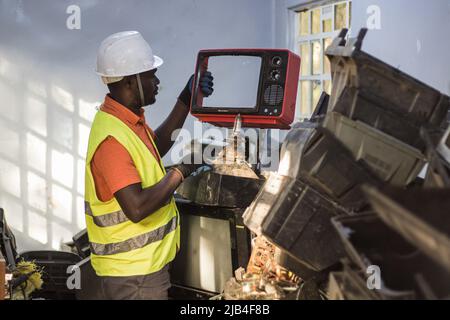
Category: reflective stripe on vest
[135,242]
[106,220]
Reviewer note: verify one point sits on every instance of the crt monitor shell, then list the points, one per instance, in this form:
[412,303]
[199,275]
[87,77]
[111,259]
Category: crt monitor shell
[276,90]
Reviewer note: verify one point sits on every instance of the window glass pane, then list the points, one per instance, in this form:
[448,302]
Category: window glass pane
[317,91]
[317,56]
[327,42]
[304,23]
[340,16]
[327,25]
[306,59]
[315,22]
[326,62]
[328,10]
[327,19]
[305,98]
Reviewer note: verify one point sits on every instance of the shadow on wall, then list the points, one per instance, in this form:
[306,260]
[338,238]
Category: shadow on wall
[45,130]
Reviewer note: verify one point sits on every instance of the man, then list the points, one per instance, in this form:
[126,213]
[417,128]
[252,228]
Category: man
[131,216]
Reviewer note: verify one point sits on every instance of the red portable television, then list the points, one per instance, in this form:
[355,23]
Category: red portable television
[259,84]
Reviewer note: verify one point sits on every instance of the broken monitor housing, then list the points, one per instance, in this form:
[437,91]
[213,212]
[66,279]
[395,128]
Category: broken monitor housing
[368,132]
[259,84]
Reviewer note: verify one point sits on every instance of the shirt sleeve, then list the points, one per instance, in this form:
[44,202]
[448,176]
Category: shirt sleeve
[114,165]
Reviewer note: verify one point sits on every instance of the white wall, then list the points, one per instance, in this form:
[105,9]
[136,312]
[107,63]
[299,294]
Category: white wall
[414,37]
[49,92]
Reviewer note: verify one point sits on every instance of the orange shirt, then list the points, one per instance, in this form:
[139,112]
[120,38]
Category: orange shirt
[112,166]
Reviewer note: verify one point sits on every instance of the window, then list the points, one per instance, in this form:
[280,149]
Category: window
[316,27]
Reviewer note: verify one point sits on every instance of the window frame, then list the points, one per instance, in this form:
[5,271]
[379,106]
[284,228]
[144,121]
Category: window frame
[310,39]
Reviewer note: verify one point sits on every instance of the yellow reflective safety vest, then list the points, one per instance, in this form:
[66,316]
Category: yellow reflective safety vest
[120,247]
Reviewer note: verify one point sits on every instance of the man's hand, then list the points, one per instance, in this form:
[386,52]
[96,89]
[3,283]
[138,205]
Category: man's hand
[138,203]
[206,85]
[188,165]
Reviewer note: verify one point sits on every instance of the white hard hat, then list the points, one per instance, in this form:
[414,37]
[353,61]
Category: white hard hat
[124,54]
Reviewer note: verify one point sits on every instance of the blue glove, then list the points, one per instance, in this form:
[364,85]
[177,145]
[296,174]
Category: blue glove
[206,85]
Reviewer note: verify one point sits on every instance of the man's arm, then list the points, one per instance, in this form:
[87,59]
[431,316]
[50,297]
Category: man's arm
[174,121]
[138,203]
[114,169]
[176,118]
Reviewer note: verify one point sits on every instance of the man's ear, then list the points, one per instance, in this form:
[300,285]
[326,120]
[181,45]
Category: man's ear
[129,82]
[119,85]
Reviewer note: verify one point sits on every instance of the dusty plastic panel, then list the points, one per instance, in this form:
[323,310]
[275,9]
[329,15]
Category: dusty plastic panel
[422,216]
[331,168]
[299,223]
[438,174]
[345,286]
[438,171]
[335,286]
[392,160]
[371,91]
[348,284]
[301,270]
[316,157]
[321,107]
[81,242]
[370,242]
[293,147]
[443,147]
[213,189]
[265,201]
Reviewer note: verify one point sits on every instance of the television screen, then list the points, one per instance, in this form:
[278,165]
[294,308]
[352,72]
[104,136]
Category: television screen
[236,80]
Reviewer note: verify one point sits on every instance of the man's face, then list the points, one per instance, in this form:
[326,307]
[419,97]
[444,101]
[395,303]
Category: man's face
[150,84]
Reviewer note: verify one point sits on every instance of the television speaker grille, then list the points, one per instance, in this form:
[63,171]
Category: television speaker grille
[273,94]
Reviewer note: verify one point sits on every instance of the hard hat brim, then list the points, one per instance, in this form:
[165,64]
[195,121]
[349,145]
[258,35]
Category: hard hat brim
[157,63]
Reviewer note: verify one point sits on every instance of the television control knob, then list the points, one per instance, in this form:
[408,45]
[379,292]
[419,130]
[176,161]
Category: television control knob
[277,61]
[275,75]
